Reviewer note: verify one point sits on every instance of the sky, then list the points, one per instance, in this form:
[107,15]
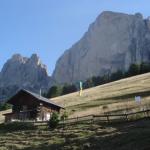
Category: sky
[49,27]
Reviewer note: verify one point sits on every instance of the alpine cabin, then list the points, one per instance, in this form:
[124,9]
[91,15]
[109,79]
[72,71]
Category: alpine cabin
[27,105]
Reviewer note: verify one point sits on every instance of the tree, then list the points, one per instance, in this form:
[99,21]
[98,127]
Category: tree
[134,69]
[105,79]
[88,83]
[69,89]
[116,75]
[144,67]
[96,80]
[54,91]
[4,106]
[54,120]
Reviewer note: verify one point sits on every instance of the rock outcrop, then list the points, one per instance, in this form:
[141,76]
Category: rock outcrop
[21,72]
[112,42]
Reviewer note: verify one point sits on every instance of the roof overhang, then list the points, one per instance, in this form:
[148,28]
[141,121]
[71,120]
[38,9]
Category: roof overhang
[37,97]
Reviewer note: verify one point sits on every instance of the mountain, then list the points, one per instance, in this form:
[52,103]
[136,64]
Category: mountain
[21,72]
[112,42]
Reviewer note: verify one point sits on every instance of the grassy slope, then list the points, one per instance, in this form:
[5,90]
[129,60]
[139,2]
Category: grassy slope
[124,136]
[116,95]
[1,115]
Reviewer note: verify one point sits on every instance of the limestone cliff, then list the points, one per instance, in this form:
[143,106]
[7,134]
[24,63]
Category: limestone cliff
[112,42]
[21,72]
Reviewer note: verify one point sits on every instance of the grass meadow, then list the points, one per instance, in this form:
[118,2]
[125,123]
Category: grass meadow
[117,136]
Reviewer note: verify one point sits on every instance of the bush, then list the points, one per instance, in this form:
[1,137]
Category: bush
[15,126]
[4,106]
[64,116]
[54,120]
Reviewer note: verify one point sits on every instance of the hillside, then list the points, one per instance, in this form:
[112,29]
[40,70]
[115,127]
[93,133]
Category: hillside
[115,96]
[3,117]
[123,136]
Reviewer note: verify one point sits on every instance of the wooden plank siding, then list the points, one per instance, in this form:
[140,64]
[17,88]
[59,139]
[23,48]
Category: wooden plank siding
[30,106]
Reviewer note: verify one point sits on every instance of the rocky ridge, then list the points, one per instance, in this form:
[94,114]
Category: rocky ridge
[22,72]
[112,42]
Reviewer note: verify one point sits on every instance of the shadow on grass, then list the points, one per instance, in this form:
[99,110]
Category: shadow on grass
[16,126]
[125,136]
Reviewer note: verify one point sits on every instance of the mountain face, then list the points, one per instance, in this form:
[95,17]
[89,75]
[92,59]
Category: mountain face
[21,72]
[112,42]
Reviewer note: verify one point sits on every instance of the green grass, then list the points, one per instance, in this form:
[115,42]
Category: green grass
[116,136]
[14,126]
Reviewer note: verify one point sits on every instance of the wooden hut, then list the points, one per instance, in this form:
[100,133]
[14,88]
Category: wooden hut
[27,105]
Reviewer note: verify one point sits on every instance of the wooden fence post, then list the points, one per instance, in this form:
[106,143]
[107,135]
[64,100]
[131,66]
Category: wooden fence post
[147,113]
[77,119]
[126,117]
[92,120]
[108,120]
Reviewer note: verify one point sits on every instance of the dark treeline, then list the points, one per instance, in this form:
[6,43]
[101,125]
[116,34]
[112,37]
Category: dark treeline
[59,90]
[4,106]
[134,69]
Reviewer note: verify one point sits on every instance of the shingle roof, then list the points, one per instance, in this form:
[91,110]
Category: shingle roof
[40,98]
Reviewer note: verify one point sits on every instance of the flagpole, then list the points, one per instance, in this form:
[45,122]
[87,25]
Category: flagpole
[81,88]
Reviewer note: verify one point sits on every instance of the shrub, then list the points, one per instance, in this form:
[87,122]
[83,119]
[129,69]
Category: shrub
[15,126]
[64,116]
[4,106]
[54,120]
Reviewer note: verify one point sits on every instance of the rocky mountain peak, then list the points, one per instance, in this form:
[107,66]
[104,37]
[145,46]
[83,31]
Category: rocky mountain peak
[18,58]
[112,42]
[139,15]
[35,59]
[22,72]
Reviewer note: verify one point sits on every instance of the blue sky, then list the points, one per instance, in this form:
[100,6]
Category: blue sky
[49,27]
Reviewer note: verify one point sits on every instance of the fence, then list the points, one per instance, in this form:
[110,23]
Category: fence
[108,118]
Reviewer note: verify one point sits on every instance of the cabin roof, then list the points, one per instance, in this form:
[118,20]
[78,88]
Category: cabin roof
[36,96]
